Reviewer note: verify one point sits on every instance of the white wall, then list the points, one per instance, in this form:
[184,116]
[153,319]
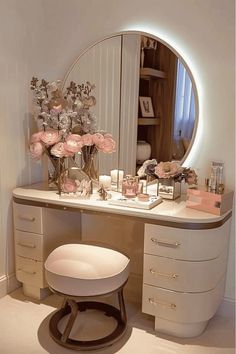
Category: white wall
[44,37]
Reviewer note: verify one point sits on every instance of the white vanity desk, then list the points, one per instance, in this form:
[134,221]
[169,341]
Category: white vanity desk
[185,252]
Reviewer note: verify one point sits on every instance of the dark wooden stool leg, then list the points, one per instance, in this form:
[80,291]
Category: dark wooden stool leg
[72,307]
[74,312]
[122,305]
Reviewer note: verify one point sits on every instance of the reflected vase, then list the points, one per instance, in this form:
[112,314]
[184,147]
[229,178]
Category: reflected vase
[89,163]
[56,168]
[168,188]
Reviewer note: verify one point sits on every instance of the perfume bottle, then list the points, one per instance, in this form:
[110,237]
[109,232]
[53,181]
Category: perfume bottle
[220,183]
[213,179]
[130,187]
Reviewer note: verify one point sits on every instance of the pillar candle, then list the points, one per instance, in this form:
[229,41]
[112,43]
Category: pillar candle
[105,181]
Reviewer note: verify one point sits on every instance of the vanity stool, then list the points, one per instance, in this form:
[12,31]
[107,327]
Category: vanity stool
[79,271]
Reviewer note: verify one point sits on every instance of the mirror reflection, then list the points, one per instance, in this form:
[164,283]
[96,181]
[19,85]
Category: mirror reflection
[145,98]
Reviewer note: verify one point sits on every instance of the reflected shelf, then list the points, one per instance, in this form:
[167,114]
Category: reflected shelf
[148,121]
[147,73]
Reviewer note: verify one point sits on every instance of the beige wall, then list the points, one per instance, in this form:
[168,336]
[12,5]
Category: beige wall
[44,37]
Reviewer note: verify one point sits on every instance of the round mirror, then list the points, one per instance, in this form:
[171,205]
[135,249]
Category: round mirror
[146,98]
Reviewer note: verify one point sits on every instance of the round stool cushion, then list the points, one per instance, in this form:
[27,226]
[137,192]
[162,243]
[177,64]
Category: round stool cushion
[86,270]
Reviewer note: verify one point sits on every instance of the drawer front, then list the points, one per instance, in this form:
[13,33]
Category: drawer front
[30,272]
[183,276]
[183,244]
[29,245]
[181,307]
[28,218]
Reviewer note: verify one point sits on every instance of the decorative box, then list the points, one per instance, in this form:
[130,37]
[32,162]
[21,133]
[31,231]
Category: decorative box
[168,188]
[209,202]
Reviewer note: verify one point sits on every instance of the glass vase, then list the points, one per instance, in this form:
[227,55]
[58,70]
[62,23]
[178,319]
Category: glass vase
[74,183]
[168,188]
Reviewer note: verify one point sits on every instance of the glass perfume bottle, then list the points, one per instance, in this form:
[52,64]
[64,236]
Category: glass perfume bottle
[130,187]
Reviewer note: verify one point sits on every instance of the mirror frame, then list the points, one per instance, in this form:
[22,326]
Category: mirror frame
[196,123]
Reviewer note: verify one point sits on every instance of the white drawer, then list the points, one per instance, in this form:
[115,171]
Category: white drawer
[29,245]
[181,307]
[183,276]
[28,218]
[193,245]
[30,272]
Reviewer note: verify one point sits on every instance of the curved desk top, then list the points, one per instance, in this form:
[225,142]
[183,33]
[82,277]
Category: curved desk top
[167,213]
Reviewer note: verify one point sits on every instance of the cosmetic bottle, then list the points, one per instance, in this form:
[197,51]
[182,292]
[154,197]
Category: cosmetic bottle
[219,182]
[213,179]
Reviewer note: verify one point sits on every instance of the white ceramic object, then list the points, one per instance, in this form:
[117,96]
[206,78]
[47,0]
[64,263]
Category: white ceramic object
[143,151]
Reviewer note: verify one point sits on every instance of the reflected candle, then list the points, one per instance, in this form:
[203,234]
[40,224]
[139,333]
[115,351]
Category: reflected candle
[105,181]
[117,175]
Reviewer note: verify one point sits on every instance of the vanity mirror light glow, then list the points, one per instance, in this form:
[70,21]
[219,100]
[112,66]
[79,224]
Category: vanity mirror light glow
[188,60]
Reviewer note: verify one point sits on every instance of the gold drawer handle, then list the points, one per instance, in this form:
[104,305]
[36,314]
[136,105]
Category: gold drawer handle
[171,276]
[26,271]
[28,245]
[161,303]
[165,243]
[27,218]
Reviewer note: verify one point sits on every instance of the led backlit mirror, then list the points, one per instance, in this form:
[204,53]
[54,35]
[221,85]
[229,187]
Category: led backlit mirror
[146,96]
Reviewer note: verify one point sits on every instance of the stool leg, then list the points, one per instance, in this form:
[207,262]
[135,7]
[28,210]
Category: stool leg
[122,306]
[64,302]
[74,312]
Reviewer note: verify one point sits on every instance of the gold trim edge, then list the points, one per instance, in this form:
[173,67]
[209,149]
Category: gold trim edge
[175,224]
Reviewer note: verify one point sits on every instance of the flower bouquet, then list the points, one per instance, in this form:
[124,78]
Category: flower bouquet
[173,170]
[67,128]
[170,175]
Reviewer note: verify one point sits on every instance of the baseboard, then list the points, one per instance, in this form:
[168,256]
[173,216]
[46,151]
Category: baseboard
[227,308]
[8,283]
[3,285]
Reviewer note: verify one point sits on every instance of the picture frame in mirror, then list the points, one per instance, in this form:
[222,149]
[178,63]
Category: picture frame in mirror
[146,106]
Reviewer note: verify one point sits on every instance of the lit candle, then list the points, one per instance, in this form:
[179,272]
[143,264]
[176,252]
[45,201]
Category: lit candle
[105,181]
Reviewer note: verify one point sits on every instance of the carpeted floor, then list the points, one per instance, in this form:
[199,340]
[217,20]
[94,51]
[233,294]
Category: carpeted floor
[24,330]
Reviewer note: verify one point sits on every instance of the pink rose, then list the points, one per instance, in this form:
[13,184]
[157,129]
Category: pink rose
[108,135]
[59,150]
[87,139]
[191,178]
[36,137]
[69,186]
[51,137]
[36,150]
[107,145]
[167,169]
[97,138]
[73,143]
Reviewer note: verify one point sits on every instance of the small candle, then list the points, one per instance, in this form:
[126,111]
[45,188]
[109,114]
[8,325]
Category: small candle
[105,181]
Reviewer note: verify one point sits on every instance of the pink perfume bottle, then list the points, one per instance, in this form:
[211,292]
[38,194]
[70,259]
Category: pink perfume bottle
[130,187]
